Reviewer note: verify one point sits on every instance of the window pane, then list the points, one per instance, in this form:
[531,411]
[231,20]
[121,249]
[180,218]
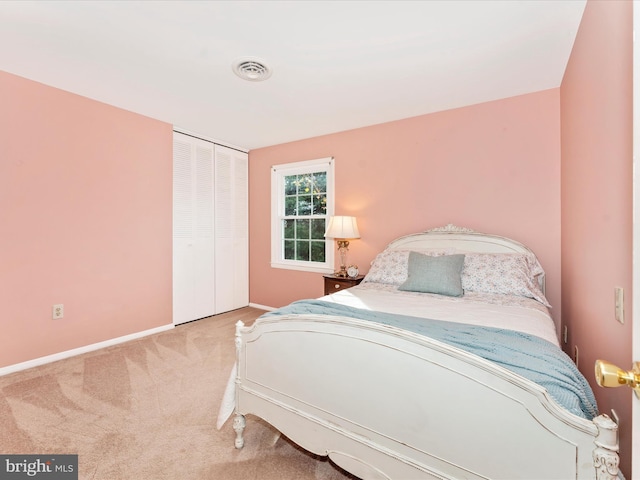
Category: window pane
[290,205]
[304,205]
[317,228]
[305,184]
[302,229]
[290,184]
[303,250]
[317,251]
[290,250]
[320,182]
[289,226]
[320,204]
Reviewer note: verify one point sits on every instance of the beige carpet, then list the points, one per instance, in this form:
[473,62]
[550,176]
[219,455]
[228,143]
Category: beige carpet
[147,410]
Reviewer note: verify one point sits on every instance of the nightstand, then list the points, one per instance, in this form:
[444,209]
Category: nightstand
[333,284]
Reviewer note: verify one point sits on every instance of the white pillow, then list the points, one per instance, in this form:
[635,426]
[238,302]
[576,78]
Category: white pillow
[503,273]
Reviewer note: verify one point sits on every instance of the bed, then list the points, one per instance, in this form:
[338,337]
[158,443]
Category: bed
[435,366]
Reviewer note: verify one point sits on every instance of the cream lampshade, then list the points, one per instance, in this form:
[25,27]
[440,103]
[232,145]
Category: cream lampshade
[342,228]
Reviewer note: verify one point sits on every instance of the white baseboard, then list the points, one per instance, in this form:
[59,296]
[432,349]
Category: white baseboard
[78,351]
[261,307]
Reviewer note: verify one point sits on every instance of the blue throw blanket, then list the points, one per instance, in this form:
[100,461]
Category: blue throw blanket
[527,355]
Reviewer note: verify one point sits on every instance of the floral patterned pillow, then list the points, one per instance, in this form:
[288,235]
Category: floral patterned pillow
[503,273]
[391,266]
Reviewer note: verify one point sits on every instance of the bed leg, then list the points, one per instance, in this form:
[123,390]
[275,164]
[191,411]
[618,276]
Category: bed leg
[239,423]
[605,456]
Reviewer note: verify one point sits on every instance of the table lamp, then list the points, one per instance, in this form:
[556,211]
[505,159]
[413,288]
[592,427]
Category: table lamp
[342,228]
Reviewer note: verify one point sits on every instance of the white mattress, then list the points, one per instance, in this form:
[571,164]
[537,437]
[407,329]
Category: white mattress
[500,311]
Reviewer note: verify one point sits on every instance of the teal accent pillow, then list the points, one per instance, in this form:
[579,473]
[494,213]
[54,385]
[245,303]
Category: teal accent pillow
[441,275]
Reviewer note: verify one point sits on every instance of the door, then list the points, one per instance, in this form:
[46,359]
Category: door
[635,294]
[193,229]
[635,432]
[232,229]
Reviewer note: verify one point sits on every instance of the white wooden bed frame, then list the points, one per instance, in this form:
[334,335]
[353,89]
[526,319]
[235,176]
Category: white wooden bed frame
[326,383]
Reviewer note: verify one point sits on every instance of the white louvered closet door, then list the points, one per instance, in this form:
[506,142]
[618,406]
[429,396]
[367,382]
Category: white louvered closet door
[231,229]
[193,229]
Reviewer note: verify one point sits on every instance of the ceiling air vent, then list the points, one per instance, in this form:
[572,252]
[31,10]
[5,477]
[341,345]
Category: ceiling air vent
[251,69]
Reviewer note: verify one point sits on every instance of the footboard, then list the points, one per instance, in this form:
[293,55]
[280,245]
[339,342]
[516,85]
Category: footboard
[384,403]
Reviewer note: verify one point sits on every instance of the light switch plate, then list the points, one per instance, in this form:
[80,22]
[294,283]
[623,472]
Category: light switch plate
[619,304]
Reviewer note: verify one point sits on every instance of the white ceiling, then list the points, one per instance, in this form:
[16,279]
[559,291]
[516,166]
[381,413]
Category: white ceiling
[337,65]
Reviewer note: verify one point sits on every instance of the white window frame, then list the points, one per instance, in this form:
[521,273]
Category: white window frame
[278,172]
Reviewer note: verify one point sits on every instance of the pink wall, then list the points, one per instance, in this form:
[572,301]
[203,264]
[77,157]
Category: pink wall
[85,215]
[493,167]
[596,118]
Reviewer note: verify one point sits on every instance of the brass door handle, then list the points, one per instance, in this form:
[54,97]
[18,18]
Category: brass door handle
[609,375]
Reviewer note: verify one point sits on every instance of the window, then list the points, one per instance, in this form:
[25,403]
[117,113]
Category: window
[302,202]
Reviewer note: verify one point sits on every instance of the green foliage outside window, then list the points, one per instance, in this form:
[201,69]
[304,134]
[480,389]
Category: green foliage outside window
[305,198]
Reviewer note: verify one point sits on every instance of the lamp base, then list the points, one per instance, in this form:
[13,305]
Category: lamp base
[343,248]
[342,273]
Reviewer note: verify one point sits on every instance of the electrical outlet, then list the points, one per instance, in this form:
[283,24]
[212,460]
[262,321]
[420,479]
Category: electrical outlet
[58,311]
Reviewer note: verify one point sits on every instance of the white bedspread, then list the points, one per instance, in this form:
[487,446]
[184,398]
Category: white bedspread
[500,311]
